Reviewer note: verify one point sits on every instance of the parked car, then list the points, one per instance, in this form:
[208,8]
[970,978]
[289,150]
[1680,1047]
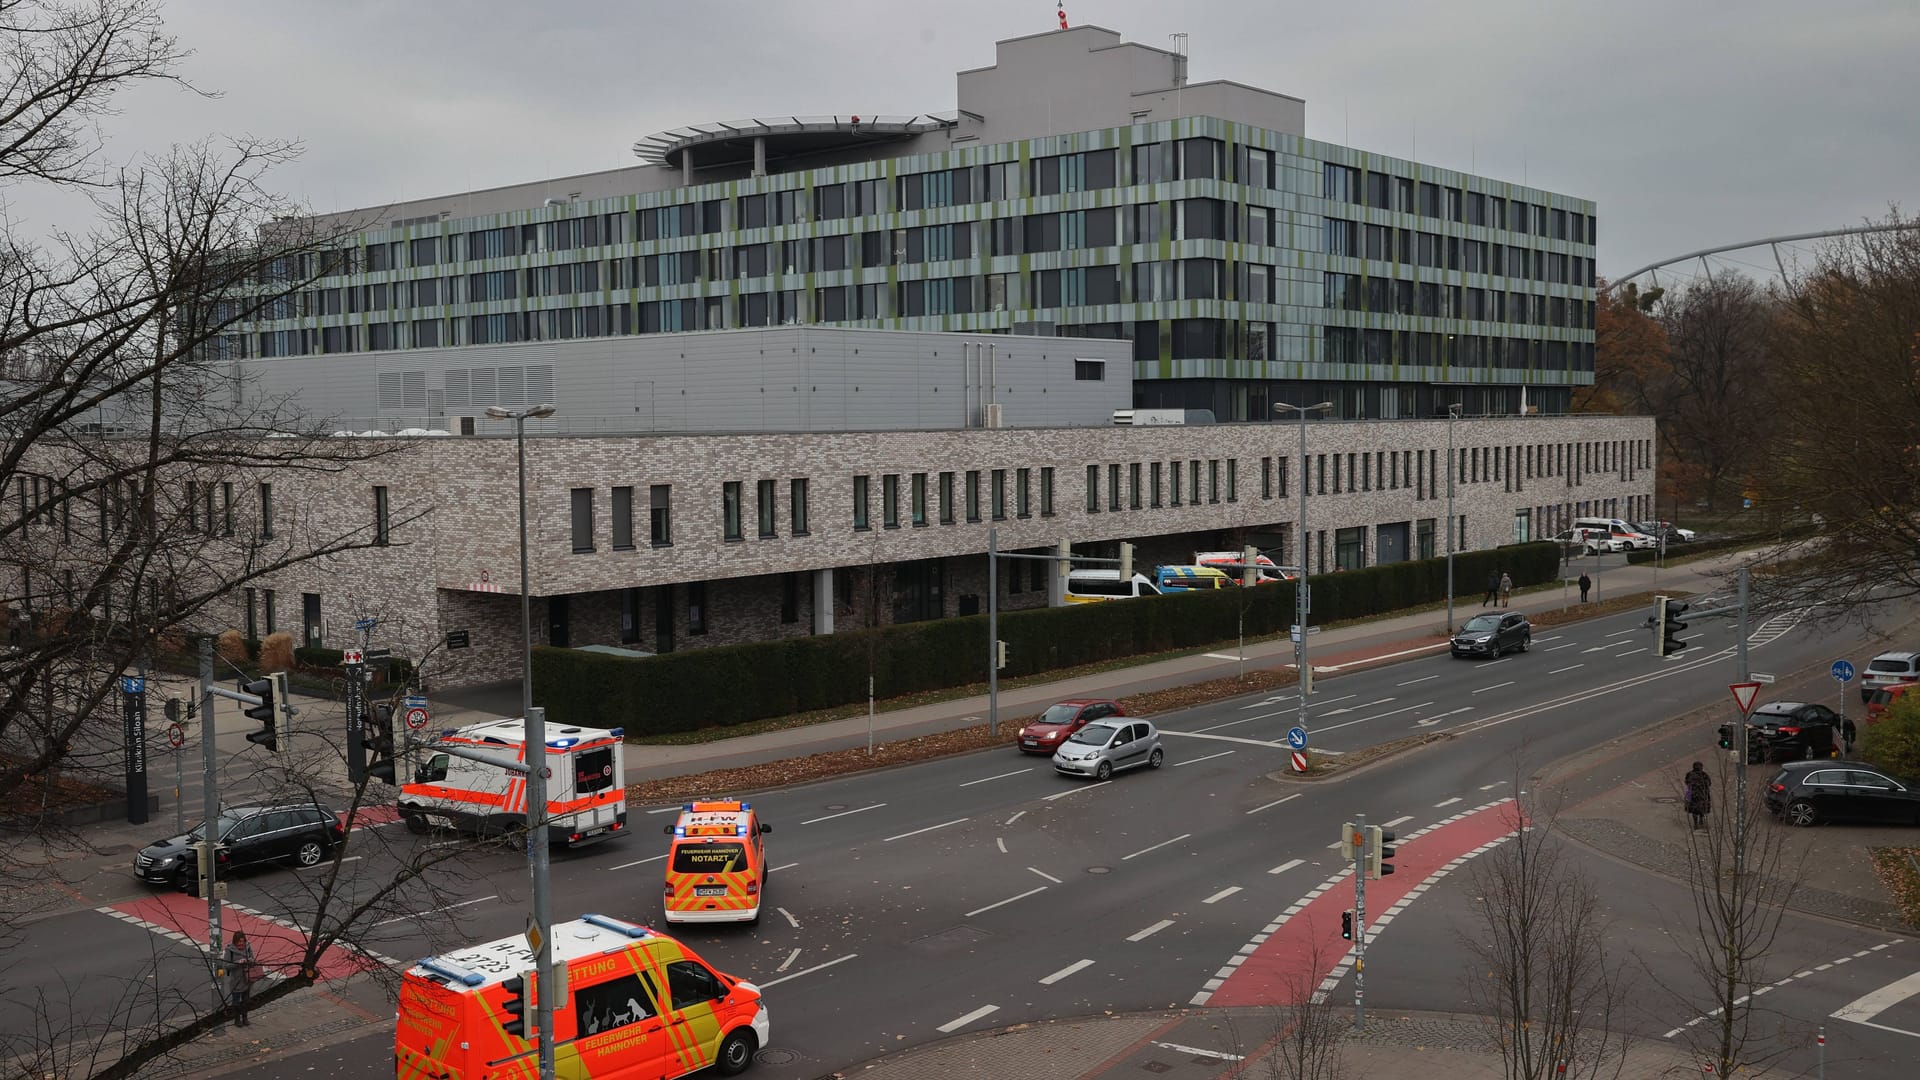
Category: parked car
[1045,733]
[1787,731]
[1494,634]
[1105,747]
[1632,541]
[1889,668]
[1667,529]
[1810,792]
[303,833]
[1590,541]
[1883,699]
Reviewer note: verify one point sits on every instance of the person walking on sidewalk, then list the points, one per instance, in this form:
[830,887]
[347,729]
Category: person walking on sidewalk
[1847,733]
[1493,589]
[1697,795]
[1506,589]
[1585,584]
[240,970]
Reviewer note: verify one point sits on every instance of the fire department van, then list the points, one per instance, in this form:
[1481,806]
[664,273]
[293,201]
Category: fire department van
[717,863]
[635,1004]
[586,785]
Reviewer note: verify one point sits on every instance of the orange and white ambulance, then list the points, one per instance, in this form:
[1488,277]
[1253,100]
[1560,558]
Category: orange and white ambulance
[717,863]
[586,784]
[635,1004]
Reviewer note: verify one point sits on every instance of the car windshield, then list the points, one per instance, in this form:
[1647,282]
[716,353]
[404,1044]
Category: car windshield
[1481,624]
[1058,714]
[226,824]
[1094,734]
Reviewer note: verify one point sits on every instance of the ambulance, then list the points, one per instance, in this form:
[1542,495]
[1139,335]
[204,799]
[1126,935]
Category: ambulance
[634,1003]
[586,783]
[717,863]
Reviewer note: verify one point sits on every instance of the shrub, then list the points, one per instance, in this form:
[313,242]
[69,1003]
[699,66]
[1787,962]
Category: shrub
[231,647]
[276,652]
[1894,742]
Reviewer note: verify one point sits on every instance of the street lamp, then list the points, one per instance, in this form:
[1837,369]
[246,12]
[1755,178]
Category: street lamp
[536,741]
[1453,413]
[1300,587]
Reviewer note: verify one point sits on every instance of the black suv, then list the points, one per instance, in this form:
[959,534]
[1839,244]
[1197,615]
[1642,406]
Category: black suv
[1494,634]
[303,833]
[1787,731]
[1809,792]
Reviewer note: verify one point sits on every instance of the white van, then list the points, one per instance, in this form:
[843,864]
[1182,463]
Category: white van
[1092,586]
[1626,535]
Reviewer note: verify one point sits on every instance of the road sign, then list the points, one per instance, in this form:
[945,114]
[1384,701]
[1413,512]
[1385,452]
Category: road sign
[416,718]
[176,736]
[378,654]
[365,624]
[133,684]
[353,656]
[534,937]
[1842,671]
[1297,738]
[1299,761]
[1760,677]
[1744,694]
[416,701]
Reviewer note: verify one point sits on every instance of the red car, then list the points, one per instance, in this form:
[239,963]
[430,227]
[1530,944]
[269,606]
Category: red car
[1044,733]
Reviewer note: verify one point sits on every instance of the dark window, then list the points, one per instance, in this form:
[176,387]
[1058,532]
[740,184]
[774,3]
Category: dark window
[1090,370]
[660,507]
[690,983]
[696,607]
[730,509]
[860,491]
[623,519]
[797,506]
[790,598]
[593,770]
[1046,491]
[582,520]
[266,511]
[764,507]
[890,500]
[381,533]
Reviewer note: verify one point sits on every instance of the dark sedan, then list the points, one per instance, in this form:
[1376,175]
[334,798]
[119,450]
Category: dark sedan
[1810,792]
[300,833]
[1494,635]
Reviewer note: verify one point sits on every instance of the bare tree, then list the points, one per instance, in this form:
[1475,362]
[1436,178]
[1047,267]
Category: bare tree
[1542,979]
[1713,394]
[1310,1031]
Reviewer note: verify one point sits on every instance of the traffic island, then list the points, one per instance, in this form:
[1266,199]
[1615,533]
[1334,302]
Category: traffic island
[1323,766]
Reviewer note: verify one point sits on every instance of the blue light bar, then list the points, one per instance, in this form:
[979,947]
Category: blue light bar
[452,971]
[618,926]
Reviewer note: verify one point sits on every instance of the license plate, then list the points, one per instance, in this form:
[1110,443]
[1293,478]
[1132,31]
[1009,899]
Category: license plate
[709,890]
[1028,742]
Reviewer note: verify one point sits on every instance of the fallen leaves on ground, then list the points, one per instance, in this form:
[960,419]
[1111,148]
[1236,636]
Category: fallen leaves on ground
[39,794]
[1897,870]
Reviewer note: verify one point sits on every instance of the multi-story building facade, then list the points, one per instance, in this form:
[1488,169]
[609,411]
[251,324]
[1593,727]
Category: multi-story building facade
[1083,187]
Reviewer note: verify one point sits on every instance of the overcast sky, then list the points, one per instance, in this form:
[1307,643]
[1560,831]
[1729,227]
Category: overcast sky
[1691,124]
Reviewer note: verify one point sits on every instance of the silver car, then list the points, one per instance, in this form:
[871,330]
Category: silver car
[1105,747]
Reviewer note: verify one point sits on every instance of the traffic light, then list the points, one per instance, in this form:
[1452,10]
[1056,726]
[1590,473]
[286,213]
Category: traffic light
[1666,623]
[172,709]
[272,692]
[1126,561]
[1349,841]
[380,738]
[1379,850]
[1726,736]
[1346,925]
[514,1008]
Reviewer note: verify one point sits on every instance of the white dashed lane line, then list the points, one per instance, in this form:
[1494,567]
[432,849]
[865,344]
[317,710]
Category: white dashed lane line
[843,813]
[1077,965]
[1221,895]
[1004,903]
[1001,776]
[638,862]
[1447,802]
[1142,935]
[1156,847]
[1396,821]
[1044,874]
[1198,760]
[959,1022]
[1275,803]
[1559,670]
[917,832]
[1495,686]
[1288,865]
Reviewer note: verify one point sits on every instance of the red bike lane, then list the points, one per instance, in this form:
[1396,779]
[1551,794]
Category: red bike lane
[1302,950]
[277,947]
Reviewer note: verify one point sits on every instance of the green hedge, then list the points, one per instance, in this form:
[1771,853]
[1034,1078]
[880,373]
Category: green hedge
[735,684]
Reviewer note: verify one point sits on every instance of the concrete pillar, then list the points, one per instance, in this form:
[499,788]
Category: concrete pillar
[823,601]
[759,155]
[686,166]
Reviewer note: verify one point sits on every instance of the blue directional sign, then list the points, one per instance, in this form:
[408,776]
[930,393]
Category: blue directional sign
[132,684]
[416,701]
[1297,738]
[365,624]
[1842,671]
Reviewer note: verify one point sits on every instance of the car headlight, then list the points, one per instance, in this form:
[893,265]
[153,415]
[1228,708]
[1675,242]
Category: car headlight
[165,860]
[1023,733]
[1482,640]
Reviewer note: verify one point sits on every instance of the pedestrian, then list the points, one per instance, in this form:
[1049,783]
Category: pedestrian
[1697,794]
[1493,589]
[1847,733]
[1506,589]
[1586,583]
[240,971]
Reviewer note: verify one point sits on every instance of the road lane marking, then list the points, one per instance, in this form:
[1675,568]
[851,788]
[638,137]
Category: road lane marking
[1221,895]
[1016,817]
[667,810]
[1448,802]
[1197,1052]
[1276,802]
[1002,776]
[1269,701]
[959,1022]
[1070,791]
[638,862]
[1628,630]
[771,869]
[1865,1008]
[804,971]
[1421,679]
[1001,843]
[1431,720]
[1318,728]
[1354,708]
[1288,865]
[1861,1003]
[1555,637]
[843,813]
[1568,645]
[1158,846]
[1496,663]
[1280,744]
[1386,656]
[917,832]
[788,962]
[1396,821]
[1631,652]
[791,921]
[1142,935]
[1222,656]
[1230,723]
[1044,874]
[1077,965]
[1570,667]
[1003,903]
[435,911]
[1495,686]
[1490,787]
[351,858]
[1209,757]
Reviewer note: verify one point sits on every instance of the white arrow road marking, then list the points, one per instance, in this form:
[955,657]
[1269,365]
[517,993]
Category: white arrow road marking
[791,921]
[1431,720]
[1318,728]
[1352,708]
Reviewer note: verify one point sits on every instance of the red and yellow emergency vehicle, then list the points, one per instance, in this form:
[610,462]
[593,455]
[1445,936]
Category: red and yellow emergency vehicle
[717,865]
[636,1004]
[586,784]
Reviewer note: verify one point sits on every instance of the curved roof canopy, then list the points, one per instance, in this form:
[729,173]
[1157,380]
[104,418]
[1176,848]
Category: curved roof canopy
[731,142]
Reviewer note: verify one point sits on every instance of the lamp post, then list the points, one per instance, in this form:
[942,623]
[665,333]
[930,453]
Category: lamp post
[1453,413]
[536,741]
[1300,587]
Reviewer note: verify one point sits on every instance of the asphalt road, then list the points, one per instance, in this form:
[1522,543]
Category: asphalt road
[985,890]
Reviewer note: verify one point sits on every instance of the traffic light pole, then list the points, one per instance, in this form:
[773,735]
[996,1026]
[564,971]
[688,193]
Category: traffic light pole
[210,796]
[993,634]
[1360,920]
[1740,764]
